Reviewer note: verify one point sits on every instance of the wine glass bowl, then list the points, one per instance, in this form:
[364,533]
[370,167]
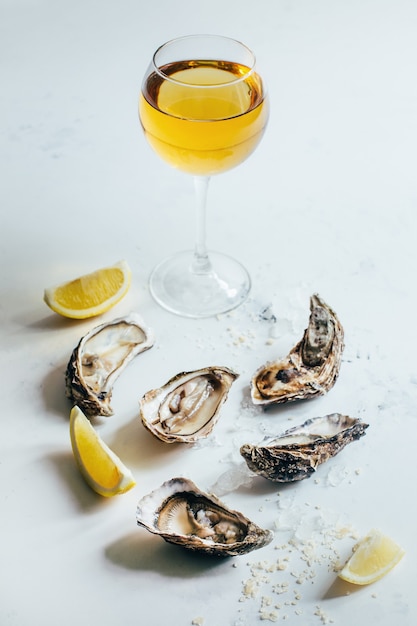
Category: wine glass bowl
[203,109]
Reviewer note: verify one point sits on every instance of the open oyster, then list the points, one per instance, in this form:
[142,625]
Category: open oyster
[312,366]
[187,407]
[182,514]
[100,357]
[297,453]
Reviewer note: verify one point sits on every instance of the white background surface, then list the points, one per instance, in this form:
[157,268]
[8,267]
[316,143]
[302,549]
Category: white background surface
[326,204]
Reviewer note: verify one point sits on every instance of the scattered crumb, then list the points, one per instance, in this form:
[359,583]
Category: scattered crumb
[198,621]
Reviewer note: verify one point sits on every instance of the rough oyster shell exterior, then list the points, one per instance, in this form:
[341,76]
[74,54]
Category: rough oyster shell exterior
[98,360]
[297,452]
[182,514]
[187,407]
[311,368]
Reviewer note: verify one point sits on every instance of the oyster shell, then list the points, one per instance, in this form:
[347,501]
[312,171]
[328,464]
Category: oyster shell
[312,366]
[100,357]
[297,453]
[187,407]
[182,514]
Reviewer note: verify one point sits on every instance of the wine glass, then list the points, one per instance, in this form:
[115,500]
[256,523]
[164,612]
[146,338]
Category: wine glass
[203,109]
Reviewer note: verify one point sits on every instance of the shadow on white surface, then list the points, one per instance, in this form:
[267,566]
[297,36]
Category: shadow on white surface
[143,551]
[341,588]
[65,466]
[53,392]
[50,323]
[264,487]
[140,448]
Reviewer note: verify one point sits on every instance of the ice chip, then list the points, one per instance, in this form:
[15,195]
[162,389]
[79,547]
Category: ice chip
[237,476]
[336,475]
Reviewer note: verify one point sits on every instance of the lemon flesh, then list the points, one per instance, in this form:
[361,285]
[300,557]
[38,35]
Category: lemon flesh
[91,294]
[101,467]
[373,557]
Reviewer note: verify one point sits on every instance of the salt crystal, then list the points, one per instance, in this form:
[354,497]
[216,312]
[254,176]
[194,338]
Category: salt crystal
[250,588]
[323,617]
[270,616]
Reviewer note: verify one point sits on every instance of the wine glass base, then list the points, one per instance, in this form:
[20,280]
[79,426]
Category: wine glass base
[179,289]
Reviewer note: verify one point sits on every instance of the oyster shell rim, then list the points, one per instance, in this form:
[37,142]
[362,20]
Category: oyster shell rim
[157,395]
[293,462]
[94,403]
[313,385]
[256,537]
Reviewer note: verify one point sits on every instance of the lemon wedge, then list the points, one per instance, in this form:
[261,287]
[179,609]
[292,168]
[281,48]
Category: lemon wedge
[100,466]
[373,557]
[91,294]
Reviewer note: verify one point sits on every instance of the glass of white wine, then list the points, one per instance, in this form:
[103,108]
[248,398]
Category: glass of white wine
[203,109]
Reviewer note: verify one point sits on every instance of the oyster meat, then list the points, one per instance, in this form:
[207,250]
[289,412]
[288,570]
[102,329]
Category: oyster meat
[188,406]
[297,453]
[182,514]
[100,357]
[312,366]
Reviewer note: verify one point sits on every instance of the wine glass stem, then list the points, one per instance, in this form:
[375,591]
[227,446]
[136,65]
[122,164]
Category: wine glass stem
[201,263]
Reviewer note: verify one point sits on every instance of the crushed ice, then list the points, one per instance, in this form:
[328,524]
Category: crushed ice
[239,475]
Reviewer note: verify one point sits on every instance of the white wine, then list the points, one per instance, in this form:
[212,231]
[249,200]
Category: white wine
[203,117]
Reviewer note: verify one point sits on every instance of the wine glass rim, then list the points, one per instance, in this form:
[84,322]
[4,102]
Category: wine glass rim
[239,79]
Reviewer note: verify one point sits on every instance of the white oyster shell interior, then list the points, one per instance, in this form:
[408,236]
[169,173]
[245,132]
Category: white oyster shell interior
[106,352]
[192,517]
[100,357]
[180,513]
[317,428]
[188,406]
